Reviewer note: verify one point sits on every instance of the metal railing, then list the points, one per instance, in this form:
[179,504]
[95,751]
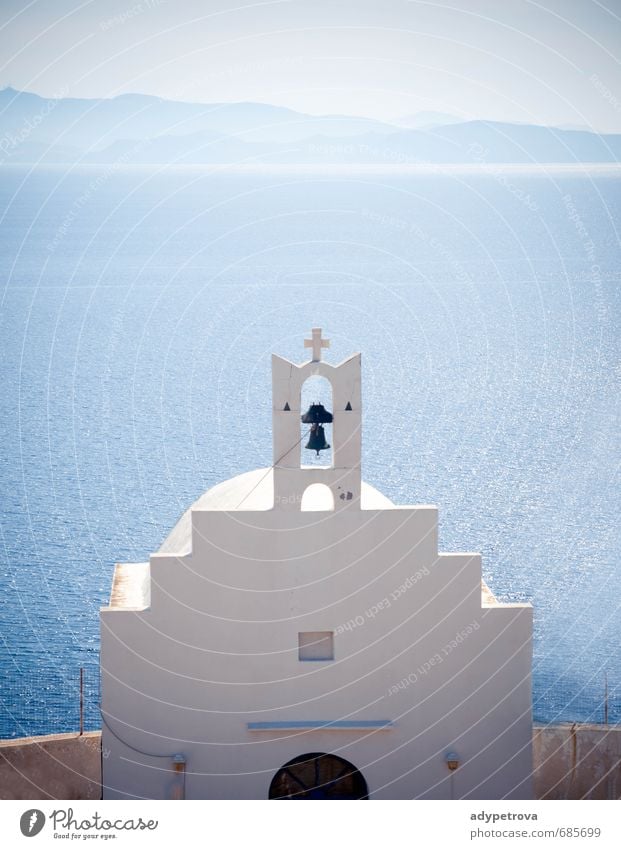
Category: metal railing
[558,698]
[49,701]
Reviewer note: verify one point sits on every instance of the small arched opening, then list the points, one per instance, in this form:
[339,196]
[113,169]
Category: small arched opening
[316,498]
[316,437]
[318,775]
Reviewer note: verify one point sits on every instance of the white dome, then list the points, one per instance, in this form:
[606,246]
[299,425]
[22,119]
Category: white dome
[255,491]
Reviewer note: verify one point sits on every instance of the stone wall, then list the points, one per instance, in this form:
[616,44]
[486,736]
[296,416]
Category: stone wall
[58,766]
[571,762]
[577,761]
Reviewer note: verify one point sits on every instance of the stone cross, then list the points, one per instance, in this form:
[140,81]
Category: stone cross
[316,343]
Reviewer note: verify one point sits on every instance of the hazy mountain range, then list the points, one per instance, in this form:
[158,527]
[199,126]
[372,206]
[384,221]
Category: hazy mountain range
[136,129]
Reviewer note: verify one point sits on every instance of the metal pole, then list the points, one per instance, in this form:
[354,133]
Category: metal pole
[81,701]
[606,698]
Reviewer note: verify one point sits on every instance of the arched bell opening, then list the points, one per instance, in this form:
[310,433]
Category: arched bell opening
[316,426]
[318,775]
[316,498]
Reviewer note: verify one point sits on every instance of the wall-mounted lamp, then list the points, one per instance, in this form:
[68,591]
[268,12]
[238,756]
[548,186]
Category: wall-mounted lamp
[177,786]
[452,761]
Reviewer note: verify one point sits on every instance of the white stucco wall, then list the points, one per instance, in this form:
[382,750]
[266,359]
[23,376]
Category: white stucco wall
[217,648]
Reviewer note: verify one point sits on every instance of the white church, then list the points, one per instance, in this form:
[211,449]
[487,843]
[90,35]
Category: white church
[299,636]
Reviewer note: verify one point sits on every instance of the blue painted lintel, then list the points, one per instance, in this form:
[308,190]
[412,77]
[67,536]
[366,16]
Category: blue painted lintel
[338,724]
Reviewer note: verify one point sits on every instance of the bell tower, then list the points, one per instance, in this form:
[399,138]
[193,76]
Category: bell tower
[343,476]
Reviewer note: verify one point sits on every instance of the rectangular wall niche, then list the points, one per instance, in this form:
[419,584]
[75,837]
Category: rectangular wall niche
[316,645]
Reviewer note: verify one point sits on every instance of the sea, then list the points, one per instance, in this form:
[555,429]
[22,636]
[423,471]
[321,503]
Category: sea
[139,310]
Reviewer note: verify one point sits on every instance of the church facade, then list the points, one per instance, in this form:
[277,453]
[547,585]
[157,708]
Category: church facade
[300,636]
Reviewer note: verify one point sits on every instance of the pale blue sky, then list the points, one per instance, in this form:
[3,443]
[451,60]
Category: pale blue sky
[550,62]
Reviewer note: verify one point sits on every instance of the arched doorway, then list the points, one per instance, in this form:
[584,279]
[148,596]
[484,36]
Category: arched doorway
[318,776]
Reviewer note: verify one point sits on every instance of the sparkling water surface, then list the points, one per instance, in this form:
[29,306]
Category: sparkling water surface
[139,311]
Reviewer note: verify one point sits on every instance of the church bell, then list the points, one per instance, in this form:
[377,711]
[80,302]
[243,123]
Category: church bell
[316,416]
[317,439]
